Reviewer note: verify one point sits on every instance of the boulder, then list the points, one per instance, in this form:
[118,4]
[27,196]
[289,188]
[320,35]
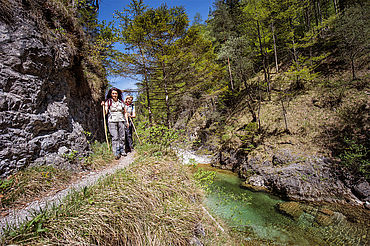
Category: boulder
[254,183]
[293,176]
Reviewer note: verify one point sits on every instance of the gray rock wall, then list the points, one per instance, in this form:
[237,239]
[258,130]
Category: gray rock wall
[295,176]
[45,98]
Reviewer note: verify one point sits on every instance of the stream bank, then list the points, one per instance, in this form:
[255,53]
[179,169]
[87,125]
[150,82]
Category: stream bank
[275,220]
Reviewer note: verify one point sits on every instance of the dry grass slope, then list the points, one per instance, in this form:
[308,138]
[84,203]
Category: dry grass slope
[154,202]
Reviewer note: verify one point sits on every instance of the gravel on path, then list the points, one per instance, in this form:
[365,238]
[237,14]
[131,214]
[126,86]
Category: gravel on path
[16,217]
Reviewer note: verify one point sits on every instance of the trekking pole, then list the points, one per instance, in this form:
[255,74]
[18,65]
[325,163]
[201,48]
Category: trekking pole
[105,127]
[137,135]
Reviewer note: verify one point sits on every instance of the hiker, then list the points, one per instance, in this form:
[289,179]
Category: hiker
[130,109]
[117,120]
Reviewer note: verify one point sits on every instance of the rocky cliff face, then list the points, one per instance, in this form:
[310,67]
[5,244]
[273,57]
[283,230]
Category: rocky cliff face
[46,98]
[295,176]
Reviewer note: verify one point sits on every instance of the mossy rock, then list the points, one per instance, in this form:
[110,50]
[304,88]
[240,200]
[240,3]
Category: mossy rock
[290,209]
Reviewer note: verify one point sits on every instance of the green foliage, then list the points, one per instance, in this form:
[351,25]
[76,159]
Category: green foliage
[229,132]
[356,158]
[352,33]
[71,156]
[301,72]
[204,177]
[158,139]
[61,31]
[87,13]
[86,133]
[162,135]
[5,184]
[248,135]
[179,59]
[101,47]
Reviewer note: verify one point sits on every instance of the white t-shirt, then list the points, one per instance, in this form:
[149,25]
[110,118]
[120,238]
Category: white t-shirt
[116,112]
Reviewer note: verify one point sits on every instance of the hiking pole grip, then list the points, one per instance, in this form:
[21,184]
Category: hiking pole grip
[137,135]
[105,127]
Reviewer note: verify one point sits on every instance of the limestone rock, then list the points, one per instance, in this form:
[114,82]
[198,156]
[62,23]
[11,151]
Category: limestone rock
[362,190]
[254,183]
[293,176]
[46,99]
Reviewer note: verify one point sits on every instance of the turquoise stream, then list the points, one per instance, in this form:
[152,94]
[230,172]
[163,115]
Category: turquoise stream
[257,218]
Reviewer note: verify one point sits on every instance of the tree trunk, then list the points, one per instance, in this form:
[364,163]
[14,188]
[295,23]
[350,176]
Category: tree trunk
[259,106]
[342,4]
[263,57]
[298,83]
[284,115]
[295,58]
[146,83]
[251,109]
[319,11]
[316,14]
[167,105]
[275,52]
[231,77]
[335,6]
[353,68]
[168,112]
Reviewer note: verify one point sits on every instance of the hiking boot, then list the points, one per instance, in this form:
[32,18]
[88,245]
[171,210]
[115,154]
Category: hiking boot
[124,154]
[117,157]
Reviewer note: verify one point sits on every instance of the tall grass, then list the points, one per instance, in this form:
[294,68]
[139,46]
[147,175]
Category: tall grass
[30,183]
[25,185]
[100,157]
[153,202]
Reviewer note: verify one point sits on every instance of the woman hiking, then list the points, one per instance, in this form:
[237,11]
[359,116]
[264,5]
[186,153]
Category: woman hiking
[130,109]
[117,119]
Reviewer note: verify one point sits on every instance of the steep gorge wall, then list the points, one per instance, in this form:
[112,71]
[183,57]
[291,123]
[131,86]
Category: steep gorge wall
[47,95]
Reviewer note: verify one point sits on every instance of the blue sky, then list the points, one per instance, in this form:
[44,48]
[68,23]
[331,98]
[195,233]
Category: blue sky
[107,8]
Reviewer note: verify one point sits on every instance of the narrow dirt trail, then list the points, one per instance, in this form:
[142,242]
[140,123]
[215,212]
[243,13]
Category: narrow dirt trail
[17,217]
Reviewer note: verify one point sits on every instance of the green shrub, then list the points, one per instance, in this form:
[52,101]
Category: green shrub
[159,135]
[355,157]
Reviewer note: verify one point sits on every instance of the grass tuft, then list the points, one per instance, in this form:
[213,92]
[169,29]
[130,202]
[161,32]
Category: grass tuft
[22,187]
[100,157]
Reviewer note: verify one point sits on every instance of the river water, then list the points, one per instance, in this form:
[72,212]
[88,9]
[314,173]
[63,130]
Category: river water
[255,216]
